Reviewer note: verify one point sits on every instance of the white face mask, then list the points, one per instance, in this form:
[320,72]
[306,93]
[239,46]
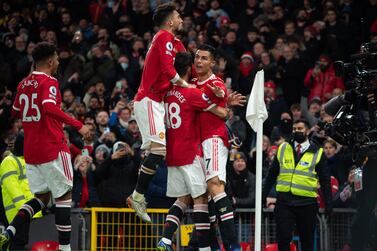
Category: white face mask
[124,66]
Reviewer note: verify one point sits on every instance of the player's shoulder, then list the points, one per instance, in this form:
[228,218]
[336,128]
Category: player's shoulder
[163,35]
[216,79]
[194,81]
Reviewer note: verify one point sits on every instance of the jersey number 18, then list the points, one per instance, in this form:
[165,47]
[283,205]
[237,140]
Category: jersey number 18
[173,120]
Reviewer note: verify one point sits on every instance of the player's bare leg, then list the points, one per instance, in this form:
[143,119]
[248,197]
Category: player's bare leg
[147,171]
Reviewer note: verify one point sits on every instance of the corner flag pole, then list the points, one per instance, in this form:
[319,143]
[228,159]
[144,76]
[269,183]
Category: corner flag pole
[256,114]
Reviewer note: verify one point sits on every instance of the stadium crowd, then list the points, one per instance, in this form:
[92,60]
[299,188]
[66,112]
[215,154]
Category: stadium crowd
[102,46]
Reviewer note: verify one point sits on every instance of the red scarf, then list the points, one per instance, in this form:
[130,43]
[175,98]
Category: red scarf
[245,70]
[84,193]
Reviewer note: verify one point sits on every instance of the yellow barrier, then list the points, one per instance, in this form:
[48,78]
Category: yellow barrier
[121,229]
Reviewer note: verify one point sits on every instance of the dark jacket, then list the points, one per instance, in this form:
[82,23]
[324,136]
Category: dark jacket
[288,198]
[156,194]
[243,188]
[116,180]
[94,200]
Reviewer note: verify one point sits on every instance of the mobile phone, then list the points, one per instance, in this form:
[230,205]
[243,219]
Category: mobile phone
[78,100]
[118,85]
[106,130]
[84,152]
[120,146]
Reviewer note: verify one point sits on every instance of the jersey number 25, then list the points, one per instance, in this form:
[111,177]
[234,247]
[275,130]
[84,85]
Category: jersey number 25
[30,105]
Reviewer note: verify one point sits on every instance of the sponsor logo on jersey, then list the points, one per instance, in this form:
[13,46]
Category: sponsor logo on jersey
[206,98]
[53,90]
[169,46]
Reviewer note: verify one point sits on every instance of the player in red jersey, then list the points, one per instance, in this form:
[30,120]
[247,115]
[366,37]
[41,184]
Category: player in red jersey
[214,138]
[186,177]
[158,75]
[47,157]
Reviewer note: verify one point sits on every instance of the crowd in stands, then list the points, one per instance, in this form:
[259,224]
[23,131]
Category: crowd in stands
[102,46]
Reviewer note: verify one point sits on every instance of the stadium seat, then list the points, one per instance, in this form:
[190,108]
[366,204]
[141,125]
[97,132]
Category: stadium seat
[245,246]
[45,246]
[274,247]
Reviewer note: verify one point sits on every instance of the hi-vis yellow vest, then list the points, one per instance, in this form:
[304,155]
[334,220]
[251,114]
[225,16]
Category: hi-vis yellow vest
[301,179]
[14,186]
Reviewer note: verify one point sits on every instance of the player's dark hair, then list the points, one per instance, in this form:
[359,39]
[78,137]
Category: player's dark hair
[304,121]
[183,61]
[43,51]
[162,12]
[209,48]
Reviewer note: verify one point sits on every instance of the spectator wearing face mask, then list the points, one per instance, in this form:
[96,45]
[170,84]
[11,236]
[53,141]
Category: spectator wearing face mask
[283,131]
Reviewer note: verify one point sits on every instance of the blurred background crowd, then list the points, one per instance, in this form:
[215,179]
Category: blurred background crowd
[102,46]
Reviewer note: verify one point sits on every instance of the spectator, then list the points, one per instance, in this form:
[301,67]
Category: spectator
[283,131]
[290,75]
[84,192]
[242,183]
[117,175]
[322,80]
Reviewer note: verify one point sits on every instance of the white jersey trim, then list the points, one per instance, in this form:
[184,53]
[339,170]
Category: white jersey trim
[42,73]
[175,79]
[48,101]
[204,81]
[209,107]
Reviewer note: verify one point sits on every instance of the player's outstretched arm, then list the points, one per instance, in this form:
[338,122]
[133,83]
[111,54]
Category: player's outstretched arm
[221,112]
[54,112]
[236,99]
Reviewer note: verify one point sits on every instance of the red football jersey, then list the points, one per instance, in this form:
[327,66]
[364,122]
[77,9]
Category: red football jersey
[210,124]
[43,133]
[159,71]
[182,107]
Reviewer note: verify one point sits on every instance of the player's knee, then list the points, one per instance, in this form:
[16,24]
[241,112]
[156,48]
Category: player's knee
[158,149]
[152,161]
[66,196]
[186,200]
[215,186]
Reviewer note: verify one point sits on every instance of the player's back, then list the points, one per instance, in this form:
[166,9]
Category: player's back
[158,66]
[183,105]
[210,124]
[44,136]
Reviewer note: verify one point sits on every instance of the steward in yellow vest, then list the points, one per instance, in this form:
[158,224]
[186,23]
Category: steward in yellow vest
[15,189]
[296,170]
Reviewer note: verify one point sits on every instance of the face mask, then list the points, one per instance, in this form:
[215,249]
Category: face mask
[299,137]
[124,66]
[286,125]
[110,4]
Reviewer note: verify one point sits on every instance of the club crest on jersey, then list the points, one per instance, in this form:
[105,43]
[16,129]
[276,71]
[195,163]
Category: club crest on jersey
[161,135]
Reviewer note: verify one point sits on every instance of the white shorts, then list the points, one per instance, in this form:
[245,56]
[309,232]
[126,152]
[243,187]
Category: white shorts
[187,180]
[215,158]
[150,117]
[55,176]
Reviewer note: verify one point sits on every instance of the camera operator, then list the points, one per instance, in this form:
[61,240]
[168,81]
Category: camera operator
[365,156]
